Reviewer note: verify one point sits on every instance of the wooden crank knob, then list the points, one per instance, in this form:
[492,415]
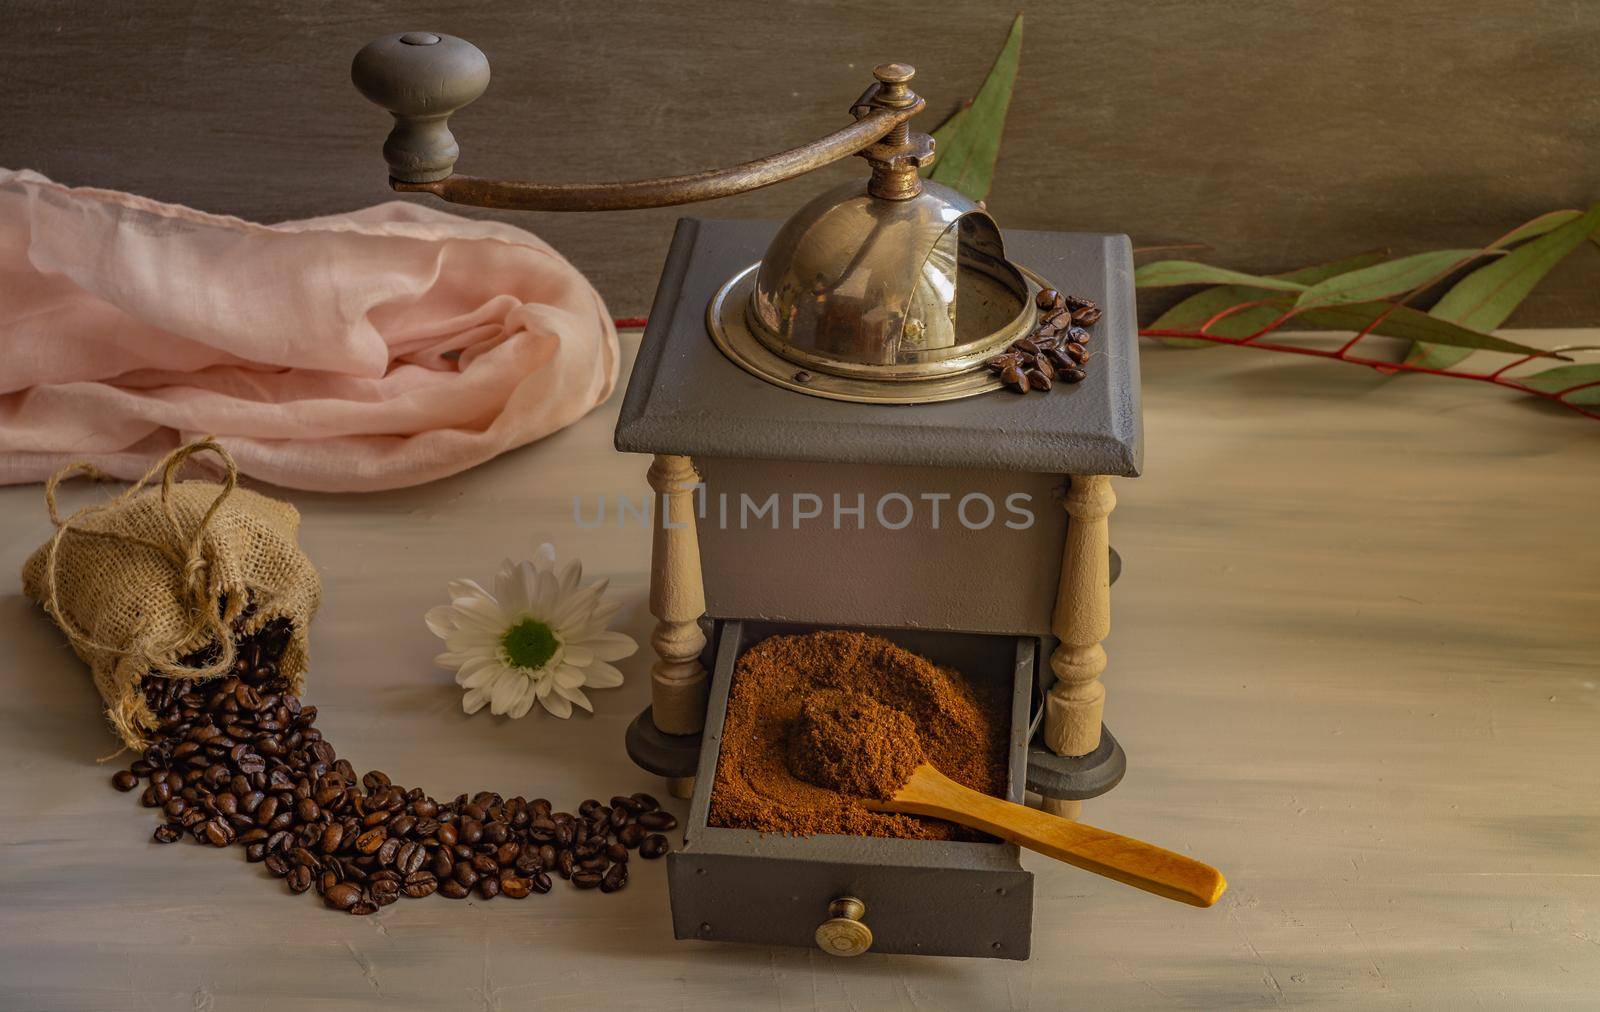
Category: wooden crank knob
[420,77]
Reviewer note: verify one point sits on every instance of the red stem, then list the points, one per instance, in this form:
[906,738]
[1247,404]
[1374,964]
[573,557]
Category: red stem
[1496,378]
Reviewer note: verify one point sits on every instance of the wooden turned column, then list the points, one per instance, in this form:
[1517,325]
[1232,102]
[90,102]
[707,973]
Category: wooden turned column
[678,682]
[1082,618]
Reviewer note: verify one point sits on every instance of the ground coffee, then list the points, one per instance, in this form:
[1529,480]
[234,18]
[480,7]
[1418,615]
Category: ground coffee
[960,726]
[853,744]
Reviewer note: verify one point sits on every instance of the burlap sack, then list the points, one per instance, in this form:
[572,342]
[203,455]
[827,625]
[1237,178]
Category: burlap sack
[141,581]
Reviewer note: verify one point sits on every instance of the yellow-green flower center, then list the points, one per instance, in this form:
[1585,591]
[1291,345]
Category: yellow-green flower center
[529,644]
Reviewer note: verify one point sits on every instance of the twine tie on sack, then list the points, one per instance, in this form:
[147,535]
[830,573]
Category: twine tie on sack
[187,551]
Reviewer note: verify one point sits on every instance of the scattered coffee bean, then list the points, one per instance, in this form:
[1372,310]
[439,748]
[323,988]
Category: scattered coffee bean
[658,820]
[342,896]
[239,761]
[1054,350]
[419,884]
[1013,377]
[514,887]
[654,846]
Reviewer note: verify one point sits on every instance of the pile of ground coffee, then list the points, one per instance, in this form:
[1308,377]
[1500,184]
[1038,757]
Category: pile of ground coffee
[239,761]
[961,727]
[853,744]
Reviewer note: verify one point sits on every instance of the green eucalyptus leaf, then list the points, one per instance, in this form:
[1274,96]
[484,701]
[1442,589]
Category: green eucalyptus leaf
[1381,281]
[968,143]
[1192,313]
[1532,229]
[1410,324]
[1486,298]
[1564,377]
[1323,271]
[1171,273]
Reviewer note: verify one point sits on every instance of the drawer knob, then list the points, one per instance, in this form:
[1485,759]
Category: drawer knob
[843,933]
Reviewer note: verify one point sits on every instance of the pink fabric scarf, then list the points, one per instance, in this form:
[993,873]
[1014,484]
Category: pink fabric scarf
[376,349]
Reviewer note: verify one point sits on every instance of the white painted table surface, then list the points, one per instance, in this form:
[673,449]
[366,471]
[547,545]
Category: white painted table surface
[1354,666]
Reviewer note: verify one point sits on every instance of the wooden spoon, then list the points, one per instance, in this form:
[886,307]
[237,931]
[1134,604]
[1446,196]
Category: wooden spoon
[1129,861]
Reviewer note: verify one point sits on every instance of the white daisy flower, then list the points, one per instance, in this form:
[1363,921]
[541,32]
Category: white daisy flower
[537,637]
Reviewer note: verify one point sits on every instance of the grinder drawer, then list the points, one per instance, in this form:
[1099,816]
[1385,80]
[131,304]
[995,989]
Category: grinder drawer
[952,898]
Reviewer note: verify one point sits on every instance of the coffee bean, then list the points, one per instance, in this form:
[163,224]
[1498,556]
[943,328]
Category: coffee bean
[1078,335]
[654,846]
[514,887]
[419,884]
[1046,298]
[409,858]
[1087,316]
[342,896]
[389,851]
[332,837]
[384,891]
[1043,367]
[240,761]
[1078,302]
[1037,380]
[658,821]
[1073,375]
[217,833]
[1013,377]
[452,889]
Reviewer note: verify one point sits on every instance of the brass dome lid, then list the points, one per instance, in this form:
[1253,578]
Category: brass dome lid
[864,298]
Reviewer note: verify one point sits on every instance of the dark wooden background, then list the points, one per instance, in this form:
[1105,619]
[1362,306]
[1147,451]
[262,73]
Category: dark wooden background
[1281,132]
